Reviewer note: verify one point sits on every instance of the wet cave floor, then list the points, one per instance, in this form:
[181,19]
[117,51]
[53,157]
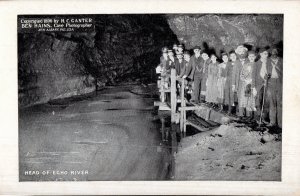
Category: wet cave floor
[117,134]
[114,135]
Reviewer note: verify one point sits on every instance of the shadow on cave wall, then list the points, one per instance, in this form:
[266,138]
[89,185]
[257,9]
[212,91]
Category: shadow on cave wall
[123,48]
[127,47]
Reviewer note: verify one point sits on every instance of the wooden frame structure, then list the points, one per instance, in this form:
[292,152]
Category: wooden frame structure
[178,113]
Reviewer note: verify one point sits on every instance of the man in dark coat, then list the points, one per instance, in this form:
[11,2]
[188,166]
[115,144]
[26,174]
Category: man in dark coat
[171,60]
[179,64]
[188,66]
[261,74]
[197,73]
[274,90]
[187,72]
[237,66]
[232,71]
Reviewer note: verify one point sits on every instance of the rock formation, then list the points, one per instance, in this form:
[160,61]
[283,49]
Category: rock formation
[225,32]
[127,48]
[58,65]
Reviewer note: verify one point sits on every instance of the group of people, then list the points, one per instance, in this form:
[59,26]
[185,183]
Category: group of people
[245,82]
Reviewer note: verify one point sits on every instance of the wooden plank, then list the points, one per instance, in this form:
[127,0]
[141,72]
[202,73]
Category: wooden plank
[179,79]
[188,108]
[173,95]
[214,124]
[164,107]
[157,103]
[203,122]
[162,93]
[181,121]
[183,104]
[165,90]
[197,126]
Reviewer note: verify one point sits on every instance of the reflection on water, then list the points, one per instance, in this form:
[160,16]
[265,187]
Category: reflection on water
[116,135]
[170,136]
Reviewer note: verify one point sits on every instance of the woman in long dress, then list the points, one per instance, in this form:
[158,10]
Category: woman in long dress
[245,95]
[212,78]
[222,80]
[206,62]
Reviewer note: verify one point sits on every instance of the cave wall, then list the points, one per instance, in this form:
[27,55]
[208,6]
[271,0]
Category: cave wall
[128,47]
[123,48]
[49,69]
[226,32]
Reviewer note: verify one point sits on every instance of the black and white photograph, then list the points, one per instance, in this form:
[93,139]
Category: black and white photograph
[150,97]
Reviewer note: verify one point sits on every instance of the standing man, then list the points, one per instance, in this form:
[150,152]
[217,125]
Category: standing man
[188,66]
[187,74]
[242,54]
[161,69]
[175,48]
[179,64]
[163,61]
[180,48]
[197,73]
[246,98]
[274,90]
[261,74]
[171,60]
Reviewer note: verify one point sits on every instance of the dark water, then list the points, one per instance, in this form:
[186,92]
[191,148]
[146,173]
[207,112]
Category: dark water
[112,135]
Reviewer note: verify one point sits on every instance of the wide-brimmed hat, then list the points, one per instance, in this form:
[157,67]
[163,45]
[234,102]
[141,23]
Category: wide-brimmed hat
[186,53]
[224,54]
[264,49]
[197,47]
[164,49]
[251,52]
[179,53]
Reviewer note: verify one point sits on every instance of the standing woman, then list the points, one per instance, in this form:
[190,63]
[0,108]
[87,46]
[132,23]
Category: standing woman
[206,62]
[222,79]
[245,94]
[212,77]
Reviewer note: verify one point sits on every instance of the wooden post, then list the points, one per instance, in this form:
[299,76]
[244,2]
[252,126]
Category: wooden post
[162,87]
[182,112]
[163,128]
[173,96]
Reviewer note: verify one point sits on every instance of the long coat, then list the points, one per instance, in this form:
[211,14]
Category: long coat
[204,76]
[237,71]
[197,65]
[259,81]
[163,65]
[171,63]
[179,66]
[245,96]
[230,81]
[187,70]
[212,78]
[222,81]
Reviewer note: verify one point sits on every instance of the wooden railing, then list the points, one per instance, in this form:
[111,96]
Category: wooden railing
[168,84]
[173,99]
